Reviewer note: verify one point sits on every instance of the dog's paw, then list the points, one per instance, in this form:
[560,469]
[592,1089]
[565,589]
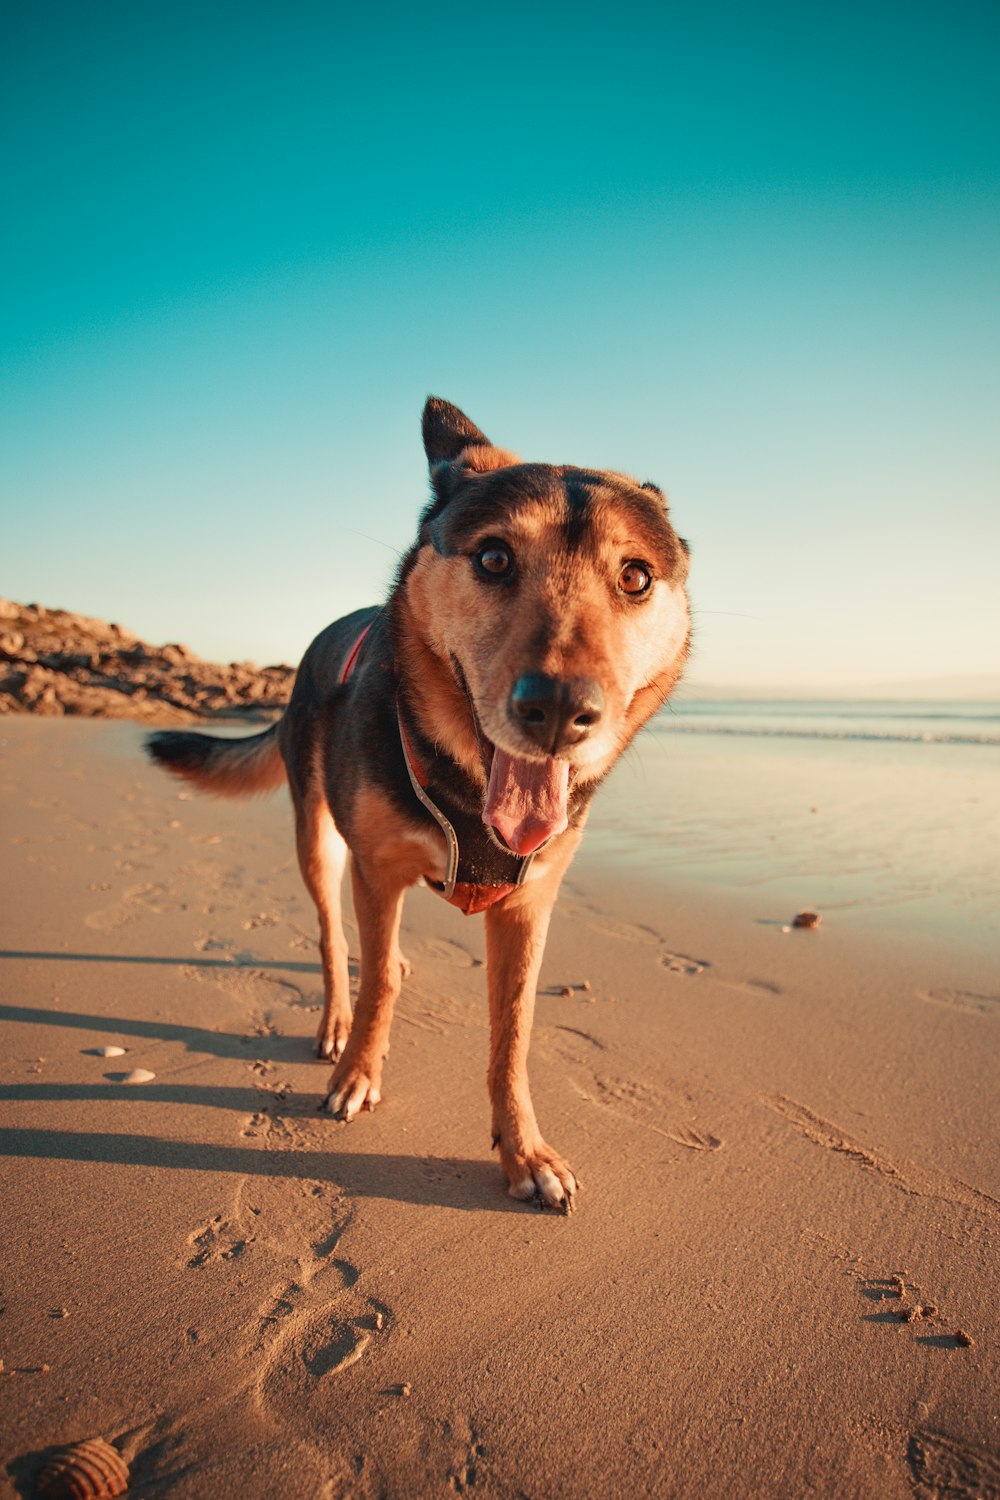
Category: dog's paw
[539,1173]
[353,1088]
[331,1039]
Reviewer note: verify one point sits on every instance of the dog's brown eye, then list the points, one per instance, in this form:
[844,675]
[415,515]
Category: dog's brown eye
[494,559]
[634,578]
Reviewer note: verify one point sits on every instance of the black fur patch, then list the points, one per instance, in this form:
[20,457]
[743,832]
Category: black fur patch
[446,431]
[484,503]
[577,502]
[181,748]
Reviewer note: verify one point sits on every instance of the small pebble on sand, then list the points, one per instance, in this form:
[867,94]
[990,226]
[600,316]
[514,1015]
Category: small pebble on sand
[139,1075]
[109,1051]
[807,919]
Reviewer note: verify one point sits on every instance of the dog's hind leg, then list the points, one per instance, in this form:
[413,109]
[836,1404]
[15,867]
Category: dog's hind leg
[322,858]
[356,1083]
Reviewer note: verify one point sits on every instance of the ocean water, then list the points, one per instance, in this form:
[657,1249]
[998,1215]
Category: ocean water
[964,723]
[884,813]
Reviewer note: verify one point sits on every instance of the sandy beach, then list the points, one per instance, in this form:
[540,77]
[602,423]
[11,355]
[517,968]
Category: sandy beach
[781,1279]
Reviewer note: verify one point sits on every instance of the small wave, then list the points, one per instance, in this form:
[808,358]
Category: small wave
[805,732]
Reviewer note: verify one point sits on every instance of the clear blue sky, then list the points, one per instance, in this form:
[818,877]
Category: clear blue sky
[750,252]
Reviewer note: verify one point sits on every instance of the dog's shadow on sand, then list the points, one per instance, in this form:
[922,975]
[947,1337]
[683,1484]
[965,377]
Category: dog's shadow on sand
[442,1182]
[252,1047]
[266,1047]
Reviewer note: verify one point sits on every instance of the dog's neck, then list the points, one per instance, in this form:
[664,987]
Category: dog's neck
[435,699]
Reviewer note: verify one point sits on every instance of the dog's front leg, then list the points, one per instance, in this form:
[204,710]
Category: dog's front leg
[356,1082]
[515,941]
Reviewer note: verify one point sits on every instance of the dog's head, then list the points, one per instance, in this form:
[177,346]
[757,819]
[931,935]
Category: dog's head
[555,596]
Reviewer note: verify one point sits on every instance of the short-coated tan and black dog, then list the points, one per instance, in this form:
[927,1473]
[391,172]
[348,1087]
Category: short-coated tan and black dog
[459,732]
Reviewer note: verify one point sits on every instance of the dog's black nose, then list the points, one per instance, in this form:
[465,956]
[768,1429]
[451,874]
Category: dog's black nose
[556,711]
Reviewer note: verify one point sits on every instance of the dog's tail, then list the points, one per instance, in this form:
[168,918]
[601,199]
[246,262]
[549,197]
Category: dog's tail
[245,767]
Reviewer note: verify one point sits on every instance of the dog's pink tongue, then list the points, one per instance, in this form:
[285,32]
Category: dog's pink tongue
[526,800]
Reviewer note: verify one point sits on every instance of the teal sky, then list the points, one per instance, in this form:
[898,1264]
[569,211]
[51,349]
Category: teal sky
[750,252]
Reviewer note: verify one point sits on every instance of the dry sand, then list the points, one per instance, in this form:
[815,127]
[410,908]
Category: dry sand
[786,1143]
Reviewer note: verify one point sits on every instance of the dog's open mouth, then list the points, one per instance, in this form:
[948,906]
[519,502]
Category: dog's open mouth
[526,800]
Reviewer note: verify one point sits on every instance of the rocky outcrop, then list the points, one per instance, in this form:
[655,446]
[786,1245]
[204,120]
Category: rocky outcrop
[54,662]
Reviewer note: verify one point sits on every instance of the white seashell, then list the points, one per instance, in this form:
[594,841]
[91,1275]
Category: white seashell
[139,1075]
[110,1051]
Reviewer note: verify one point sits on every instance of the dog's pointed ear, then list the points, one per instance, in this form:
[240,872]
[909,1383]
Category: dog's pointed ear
[456,450]
[447,431]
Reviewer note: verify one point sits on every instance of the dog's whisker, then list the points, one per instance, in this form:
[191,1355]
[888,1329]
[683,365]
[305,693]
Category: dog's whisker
[376,539]
[737,614]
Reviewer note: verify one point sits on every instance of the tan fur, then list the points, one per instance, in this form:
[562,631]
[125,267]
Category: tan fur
[438,701]
[483,457]
[515,943]
[322,855]
[565,602]
[388,857]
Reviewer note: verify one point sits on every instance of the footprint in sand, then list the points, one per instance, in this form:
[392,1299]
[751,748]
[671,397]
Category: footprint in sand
[110,918]
[134,902]
[646,1106]
[627,1093]
[754,986]
[278,1131]
[469,1454]
[583,1036]
[297,1346]
[969,1001]
[156,897]
[221,1240]
[681,963]
[694,1140]
[448,952]
[638,932]
[941,1465]
[334,1347]
[571,1044]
